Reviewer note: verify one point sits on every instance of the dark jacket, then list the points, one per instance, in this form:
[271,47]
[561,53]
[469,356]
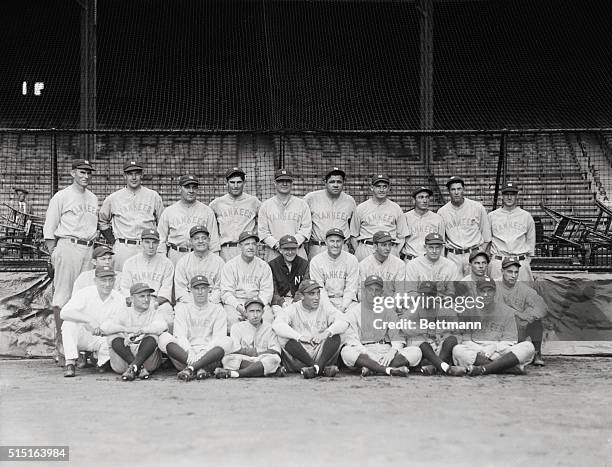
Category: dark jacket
[286,283]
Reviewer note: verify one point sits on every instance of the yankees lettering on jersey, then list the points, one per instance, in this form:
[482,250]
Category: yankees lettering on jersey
[200,326]
[235,215]
[371,217]
[157,272]
[467,225]
[513,232]
[130,212]
[328,213]
[177,219]
[263,338]
[72,213]
[277,219]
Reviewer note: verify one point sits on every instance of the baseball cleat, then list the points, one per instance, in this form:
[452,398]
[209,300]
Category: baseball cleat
[515,370]
[365,372]
[457,371]
[69,371]
[429,370]
[330,371]
[222,373]
[185,374]
[130,374]
[281,372]
[537,360]
[475,370]
[400,371]
[309,372]
[203,374]
[144,374]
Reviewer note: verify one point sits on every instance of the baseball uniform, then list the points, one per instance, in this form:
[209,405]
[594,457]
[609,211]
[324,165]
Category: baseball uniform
[87,279]
[262,339]
[339,278]
[392,271]
[191,265]
[286,282]
[418,227]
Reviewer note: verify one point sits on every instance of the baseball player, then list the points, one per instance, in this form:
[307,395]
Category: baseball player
[126,212]
[420,222]
[244,277]
[529,308]
[375,350]
[479,265]
[71,226]
[337,271]
[177,219]
[151,268]
[309,332]
[382,263]
[199,262]
[133,334]
[236,212]
[199,340]
[288,271]
[283,214]
[512,234]
[84,313]
[101,256]
[466,223]
[256,347]
[377,213]
[329,208]
[493,348]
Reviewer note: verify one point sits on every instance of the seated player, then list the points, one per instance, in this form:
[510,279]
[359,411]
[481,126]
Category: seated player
[101,256]
[493,348]
[376,351]
[479,264]
[288,270]
[199,340]
[256,348]
[383,264]
[309,332]
[133,333]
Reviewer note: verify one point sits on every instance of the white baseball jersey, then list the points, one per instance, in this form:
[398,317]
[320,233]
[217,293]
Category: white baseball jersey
[524,301]
[513,232]
[370,217]
[418,228]
[152,318]
[392,271]
[177,219]
[262,338]
[422,269]
[339,277]
[157,273]
[88,301]
[467,225]
[277,219]
[72,214]
[129,212]
[329,213]
[200,326]
[191,265]
[295,321]
[242,280]
[87,279]
[235,215]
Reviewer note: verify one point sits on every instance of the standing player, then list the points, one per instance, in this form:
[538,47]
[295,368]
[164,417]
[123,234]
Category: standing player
[256,348]
[177,219]
[284,214]
[420,222]
[377,213]
[70,229]
[288,271]
[330,208]
[513,234]
[309,332]
[466,223]
[236,212]
[101,256]
[199,262]
[337,271]
[126,212]
[382,263]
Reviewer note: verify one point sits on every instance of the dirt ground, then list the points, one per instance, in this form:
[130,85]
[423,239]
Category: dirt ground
[557,415]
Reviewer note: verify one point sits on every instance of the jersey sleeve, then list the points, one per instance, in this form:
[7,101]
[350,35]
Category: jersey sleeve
[305,228]
[52,219]
[167,281]
[266,285]
[485,225]
[105,215]
[163,227]
[263,227]
[181,281]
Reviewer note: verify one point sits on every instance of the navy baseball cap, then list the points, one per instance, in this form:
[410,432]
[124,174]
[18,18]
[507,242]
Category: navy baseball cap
[282,174]
[476,253]
[198,229]
[140,287]
[131,166]
[288,241]
[235,171]
[308,285]
[335,171]
[373,279]
[455,179]
[150,234]
[381,237]
[510,187]
[247,234]
[380,178]
[82,164]
[335,231]
[433,239]
[250,301]
[509,261]
[101,251]
[199,280]
[421,189]
[428,288]
[188,180]
[105,271]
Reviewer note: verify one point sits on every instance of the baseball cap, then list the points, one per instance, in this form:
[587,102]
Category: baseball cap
[510,187]
[250,301]
[105,271]
[486,283]
[420,189]
[427,287]
[475,253]
[198,229]
[188,180]
[433,239]
[131,166]
[288,241]
[101,251]
[229,173]
[82,164]
[247,234]
[373,279]
[380,178]
[199,280]
[335,231]
[308,285]
[509,261]
[282,174]
[149,233]
[18,189]
[455,179]
[335,171]
[381,237]
[140,287]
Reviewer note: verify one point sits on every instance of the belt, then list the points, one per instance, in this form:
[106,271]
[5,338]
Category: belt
[81,242]
[459,251]
[367,242]
[315,242]
[408,257]
[229,244]
[128,242]
[382,341]
[179,248]
[501,258]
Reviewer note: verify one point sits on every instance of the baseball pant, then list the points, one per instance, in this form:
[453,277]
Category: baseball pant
[198,351]
[69,260]
[270,254]
[75,337]
[270,361]
[234,316]
[351,351]
[123,251]
[168,311]
[464,354]
[314,250]
[119,365]
[462,261]
[229,252]
[525,274]
[364,250]
[314,350]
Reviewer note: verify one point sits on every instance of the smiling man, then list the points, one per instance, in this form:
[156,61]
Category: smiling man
[288,271]
[420,222]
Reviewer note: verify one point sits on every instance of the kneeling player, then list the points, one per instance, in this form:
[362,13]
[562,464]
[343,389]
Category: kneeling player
[200,334]
[375,350]
[133,333]
[309,331]
[257,349]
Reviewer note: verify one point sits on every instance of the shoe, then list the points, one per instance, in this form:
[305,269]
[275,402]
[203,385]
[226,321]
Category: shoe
[515,370]
[457,371]
[82,361]
[330,371]
[144,374]
[309,372]
[365,372]
[281,372]
[103,368]
[186,374]
[401,371]
[130,374]
[537,360]
[69,371]
[475,370]
[222,373]
[429,370]
[203,374]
